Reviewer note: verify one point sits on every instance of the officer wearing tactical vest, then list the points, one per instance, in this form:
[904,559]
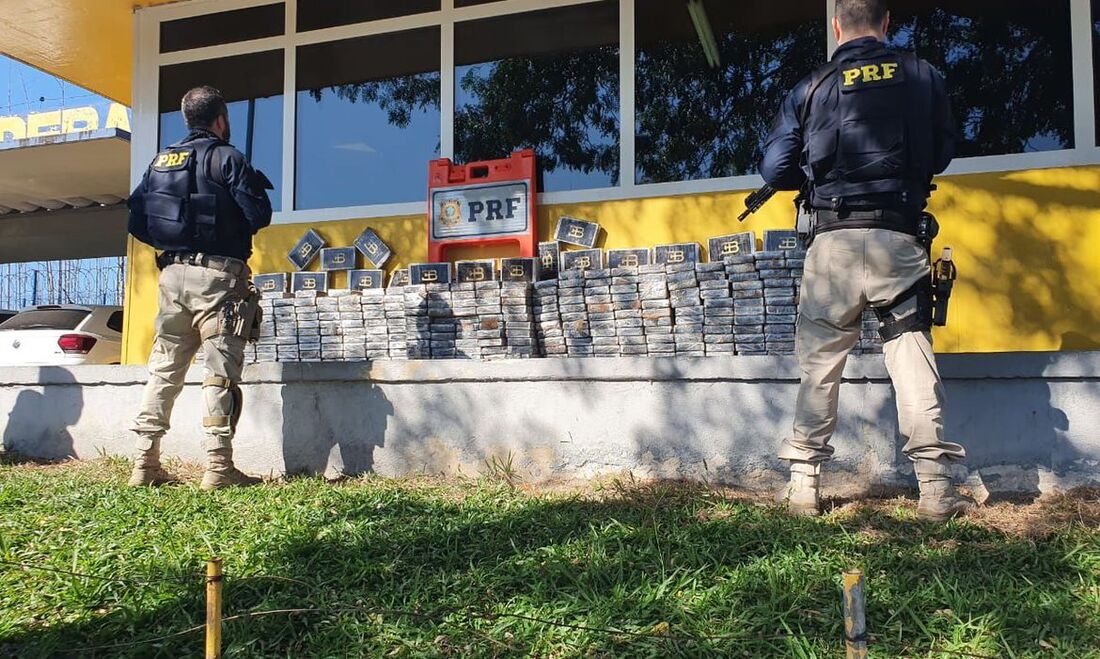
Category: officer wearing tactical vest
[199,203]
[862,137]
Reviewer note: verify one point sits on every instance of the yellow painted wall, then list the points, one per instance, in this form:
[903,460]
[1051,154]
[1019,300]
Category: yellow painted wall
[1027,245]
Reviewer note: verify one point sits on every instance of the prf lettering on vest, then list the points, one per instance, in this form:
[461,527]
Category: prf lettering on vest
[172,159]
[494,209]
[870,73]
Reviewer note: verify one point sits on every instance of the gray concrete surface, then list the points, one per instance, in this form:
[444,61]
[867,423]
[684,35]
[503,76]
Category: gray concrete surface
[1031,421]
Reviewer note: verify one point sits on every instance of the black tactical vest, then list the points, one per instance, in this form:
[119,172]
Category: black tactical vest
[868,127]
[187,207]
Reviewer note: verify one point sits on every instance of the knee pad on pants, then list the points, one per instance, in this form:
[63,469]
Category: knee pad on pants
[224,401]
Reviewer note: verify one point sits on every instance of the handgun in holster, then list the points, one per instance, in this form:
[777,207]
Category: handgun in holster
[944,275]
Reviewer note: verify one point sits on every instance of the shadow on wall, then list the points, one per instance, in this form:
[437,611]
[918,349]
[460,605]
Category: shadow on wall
[352,423]
[38,424]
[1023,247]
[1022,434]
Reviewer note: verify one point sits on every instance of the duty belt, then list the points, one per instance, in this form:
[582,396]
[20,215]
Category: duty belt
[235,267]
[904,222]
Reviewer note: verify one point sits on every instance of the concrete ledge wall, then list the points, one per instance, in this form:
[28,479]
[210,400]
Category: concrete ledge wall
[1030,421]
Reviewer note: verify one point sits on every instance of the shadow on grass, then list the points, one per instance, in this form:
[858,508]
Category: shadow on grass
[683,561]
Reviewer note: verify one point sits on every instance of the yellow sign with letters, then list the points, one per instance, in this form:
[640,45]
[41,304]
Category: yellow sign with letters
[63,122]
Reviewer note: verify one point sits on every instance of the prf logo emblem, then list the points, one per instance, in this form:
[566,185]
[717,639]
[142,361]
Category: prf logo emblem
[676,256]
[305,250]
[429,276]
[789,243]
[731,248]
[450,213]
[576,232]
[371,248]
[477,273]
[171,160]
[339,259]
[872,75]
[516,270]
[630,261]
[309,284]
[583,262]
[548,260]
[269,285]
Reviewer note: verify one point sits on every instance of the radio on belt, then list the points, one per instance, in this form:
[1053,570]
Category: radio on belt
[482,203]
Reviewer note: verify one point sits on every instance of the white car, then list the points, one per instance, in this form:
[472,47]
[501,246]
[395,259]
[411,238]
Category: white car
[62,335]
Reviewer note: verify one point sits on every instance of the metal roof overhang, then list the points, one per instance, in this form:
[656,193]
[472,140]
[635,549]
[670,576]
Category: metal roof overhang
[61,196]
[83,41]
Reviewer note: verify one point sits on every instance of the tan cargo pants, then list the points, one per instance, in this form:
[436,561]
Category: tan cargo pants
[191,300]
[847,270]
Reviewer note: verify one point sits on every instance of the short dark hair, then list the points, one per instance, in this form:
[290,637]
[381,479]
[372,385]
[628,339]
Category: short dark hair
[854,14]
[202,106]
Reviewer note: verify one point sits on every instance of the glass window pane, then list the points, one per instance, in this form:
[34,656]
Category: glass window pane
[1096,64]
[1008,65]
[698,118]
[368,119]
[316,14]
[547,80]
[223,27]
[253,89]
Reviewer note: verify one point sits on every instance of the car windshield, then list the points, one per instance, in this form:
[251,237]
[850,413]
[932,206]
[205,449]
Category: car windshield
[52,319]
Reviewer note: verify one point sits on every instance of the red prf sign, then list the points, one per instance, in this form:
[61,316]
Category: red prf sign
[482,203]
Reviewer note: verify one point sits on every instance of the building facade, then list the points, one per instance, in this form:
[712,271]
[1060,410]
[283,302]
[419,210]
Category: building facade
[647,117]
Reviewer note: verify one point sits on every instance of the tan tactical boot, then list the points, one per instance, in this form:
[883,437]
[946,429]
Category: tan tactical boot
[220,471]
[938,499]
[147,470]
[803,492]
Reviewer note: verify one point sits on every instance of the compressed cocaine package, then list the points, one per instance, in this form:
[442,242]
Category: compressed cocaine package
[714,290]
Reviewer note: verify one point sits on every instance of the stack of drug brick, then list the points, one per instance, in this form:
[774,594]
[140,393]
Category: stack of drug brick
[656,311]
[418,335]
[626,301]
[870,341]
[687,309]
[574,314]
[375,333]
[714,289]
[308,323]
[601,312]
[265,350]
[516,302]
[549,333]
[780,299]
[747,291]
[490,320]
[442,328]
[393,305]
[464,307]
[332,329]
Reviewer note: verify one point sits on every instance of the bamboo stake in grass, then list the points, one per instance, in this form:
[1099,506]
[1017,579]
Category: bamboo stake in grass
[855,621]
[214,608]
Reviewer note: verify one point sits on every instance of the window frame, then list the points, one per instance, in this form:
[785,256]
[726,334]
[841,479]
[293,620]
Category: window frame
[147,60]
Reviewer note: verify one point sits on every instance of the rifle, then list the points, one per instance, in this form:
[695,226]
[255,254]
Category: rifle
[756,201]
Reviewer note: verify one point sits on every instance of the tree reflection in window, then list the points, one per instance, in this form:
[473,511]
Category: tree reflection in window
[545,80]
[368,119]
[695,121]
[1008,66]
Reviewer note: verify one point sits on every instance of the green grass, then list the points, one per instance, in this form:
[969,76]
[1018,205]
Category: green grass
[678,565]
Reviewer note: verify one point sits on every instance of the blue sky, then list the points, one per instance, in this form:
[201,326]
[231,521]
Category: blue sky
[25,89]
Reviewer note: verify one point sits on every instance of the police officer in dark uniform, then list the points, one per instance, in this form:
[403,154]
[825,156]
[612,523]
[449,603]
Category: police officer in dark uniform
[862,137]
[199,203]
